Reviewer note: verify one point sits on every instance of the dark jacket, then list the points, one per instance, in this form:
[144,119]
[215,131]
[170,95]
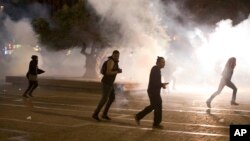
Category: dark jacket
[109,79]
[155,84]
[33,68]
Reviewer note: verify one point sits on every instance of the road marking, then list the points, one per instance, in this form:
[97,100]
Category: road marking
[43,123]
[178,110]
[109,124]
[178,123]
[163,130]
[181,110]
[13,131]
[122,116]
[121,109]
[22,137]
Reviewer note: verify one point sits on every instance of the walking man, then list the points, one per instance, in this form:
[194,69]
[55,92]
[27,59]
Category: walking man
[109,70]
[154,89]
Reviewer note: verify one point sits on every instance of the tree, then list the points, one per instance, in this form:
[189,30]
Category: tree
[76,26]
[212,11]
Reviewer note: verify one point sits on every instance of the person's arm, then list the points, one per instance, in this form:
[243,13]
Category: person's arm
[110,65]
[40,71]
[163,85]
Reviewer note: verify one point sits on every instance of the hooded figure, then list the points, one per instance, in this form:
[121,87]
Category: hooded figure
[32,76]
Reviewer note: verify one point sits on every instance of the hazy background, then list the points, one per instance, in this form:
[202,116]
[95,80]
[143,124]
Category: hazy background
[148,29]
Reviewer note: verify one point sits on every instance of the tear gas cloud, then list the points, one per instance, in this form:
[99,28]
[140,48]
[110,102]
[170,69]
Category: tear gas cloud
[143,36]
[199,53]
[61,63]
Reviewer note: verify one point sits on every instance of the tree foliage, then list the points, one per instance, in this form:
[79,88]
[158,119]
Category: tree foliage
[70,26]
[212,11]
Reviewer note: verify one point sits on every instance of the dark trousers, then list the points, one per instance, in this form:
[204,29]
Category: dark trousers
[32,86]
[108,97]
[222,84]
[156,105]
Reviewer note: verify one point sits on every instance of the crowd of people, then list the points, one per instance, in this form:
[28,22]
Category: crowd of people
[111,68]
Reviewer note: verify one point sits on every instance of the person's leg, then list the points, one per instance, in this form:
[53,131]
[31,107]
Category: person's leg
[232,86]
[220,88]
[28,89]
[157,104]
[34,86]
[110,101]
[144,112]
[106,89]
[140,115]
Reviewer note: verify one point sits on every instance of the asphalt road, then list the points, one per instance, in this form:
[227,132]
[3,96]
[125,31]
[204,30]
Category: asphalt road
[58,114]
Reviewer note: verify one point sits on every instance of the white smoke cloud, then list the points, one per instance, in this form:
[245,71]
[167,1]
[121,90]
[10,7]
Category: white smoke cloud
[143,35]
[223,42]
[21,33]
[199,53]
[61,63]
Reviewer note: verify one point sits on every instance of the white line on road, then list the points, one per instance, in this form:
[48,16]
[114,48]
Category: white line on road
[42,123]
[13,131]
[22,137]
[162,130]
[113,125]
[184,124]
[178,123]
[168,110]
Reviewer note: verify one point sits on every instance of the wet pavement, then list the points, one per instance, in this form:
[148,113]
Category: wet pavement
[58,114]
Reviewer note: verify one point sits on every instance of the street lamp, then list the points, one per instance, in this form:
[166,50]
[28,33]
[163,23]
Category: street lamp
[1,8]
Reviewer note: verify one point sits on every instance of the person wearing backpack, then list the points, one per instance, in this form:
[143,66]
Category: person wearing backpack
[109,70]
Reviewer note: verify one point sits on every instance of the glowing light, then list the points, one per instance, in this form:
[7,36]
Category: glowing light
[8,50]
[68,52]
[37,48]
[1,8]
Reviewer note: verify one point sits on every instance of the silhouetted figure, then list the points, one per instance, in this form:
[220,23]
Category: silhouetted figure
[226,81]
[154,88]
[108,93]
[32,76]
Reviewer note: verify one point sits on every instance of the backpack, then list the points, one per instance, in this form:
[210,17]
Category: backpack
[104,68]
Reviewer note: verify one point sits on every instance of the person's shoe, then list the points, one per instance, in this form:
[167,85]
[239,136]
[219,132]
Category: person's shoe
[137,121]
[158,126]
[24,95]
[208,102]
[106,117]
[234,103]
[30,95]
[94,116]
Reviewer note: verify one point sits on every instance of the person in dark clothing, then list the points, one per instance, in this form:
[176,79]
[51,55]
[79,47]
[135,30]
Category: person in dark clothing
[226,81]
[108,93]
[154,88]
[32,76]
